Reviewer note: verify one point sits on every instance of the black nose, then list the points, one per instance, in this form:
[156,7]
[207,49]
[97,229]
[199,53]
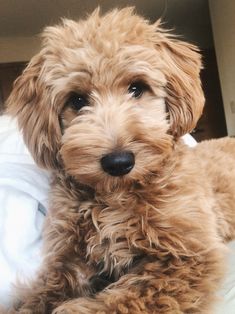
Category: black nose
[118,163]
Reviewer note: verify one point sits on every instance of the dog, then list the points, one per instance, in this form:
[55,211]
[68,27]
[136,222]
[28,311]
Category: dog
[138,222]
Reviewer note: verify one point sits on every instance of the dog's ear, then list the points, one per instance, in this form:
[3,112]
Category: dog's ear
[185,98]
[31,104]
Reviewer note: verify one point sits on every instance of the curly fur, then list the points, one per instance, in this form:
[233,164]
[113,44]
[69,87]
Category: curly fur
[151,241]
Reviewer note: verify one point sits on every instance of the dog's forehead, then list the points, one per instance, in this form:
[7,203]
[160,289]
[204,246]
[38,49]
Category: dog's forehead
[86,68]
[102,45]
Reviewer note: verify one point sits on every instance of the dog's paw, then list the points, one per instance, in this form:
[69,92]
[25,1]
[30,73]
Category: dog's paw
[13,311]
[24,309]
[63,309]
[81,306]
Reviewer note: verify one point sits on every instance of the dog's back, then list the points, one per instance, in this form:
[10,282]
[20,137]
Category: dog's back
[217,160]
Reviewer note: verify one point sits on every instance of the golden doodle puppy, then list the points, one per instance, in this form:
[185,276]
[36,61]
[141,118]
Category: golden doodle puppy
[137,220]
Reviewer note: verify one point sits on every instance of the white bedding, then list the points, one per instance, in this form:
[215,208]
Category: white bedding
[23,204]
[227,292]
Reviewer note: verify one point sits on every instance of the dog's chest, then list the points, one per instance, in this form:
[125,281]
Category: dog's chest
[110,236]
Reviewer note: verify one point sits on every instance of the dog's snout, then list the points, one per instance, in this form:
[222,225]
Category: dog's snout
[118,163]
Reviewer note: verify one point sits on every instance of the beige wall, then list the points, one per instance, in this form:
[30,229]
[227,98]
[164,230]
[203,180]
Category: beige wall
[223,25]
[13,49]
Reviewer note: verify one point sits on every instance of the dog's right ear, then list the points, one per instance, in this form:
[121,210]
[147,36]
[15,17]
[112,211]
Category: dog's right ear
[31,104]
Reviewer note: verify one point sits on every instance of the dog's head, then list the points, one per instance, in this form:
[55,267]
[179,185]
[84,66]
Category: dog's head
[107,97]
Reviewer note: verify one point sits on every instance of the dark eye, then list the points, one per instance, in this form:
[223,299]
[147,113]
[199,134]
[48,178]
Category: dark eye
[77,101]
[137,89]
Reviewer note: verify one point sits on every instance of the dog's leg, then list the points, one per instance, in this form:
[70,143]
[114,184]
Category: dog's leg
[64,273]
[56,284]
[174,285]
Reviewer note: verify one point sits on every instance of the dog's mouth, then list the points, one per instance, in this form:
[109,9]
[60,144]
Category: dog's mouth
[118,163]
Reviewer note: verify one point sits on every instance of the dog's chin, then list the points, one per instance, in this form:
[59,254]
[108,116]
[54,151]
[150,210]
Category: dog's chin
[104,183]
[115,184]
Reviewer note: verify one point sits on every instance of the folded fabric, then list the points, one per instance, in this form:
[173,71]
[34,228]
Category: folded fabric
[23,202]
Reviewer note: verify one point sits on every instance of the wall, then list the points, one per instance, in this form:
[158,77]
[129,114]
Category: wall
[14,49]
[223,25]
[8,73]
[212,123]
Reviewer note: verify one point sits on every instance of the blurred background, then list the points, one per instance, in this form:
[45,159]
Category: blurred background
[210,24]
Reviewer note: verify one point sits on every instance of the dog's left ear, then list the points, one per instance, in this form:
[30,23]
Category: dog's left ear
[185,98]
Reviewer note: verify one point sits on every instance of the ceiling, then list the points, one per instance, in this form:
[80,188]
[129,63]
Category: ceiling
[189,18]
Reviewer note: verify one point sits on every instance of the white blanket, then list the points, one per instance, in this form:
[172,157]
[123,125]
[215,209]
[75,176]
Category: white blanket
[23,204]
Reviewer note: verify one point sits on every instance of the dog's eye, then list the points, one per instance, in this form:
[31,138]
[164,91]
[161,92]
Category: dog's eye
[77,101]
[137,89]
